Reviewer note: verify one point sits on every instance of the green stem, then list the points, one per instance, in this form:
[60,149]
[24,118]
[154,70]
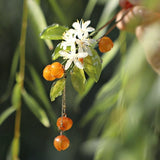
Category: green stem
[21,75]
[23,41]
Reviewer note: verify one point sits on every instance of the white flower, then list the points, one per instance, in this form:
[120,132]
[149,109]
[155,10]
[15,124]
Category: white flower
[76,43]
[82,29]
[69,39]
[72,56]
[83,45]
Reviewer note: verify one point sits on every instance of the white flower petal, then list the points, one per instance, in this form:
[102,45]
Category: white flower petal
[85,35]
[67,65]
[64,45]
[90,29]
[76,25]
[63,53]
[85,25]
[71,31]
[91,41]
[73,48]
[88,50]
[69,35]
[82,55]
[78,64]
[80,49]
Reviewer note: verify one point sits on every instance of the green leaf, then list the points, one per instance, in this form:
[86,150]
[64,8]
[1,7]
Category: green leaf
[40,51]
[93,66]
[89,9]
[78,79]
[14,65]
[6,114]
[37,25]
[12,75]
[59,11]
[57,89]
[100,108]
[56,54]
[111,87]
[16,95]
[53,32]
[37,16]
[36,109]
[106,58]
[37,87]
[106,97]
[107,13]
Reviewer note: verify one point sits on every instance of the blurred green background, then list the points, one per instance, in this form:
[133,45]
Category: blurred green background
[116,119]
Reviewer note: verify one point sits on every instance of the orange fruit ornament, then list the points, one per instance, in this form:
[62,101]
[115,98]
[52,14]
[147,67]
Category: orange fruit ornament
[47,73]
[105,44]
[53,71]
[64,123]
[57,70]
[61,142]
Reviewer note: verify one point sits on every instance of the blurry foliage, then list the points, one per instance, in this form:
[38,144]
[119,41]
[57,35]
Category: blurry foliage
[121,118]
[124,112]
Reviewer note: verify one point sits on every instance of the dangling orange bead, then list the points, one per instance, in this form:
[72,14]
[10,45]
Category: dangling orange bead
[53,71]
[105,44]
[47,73]
[57,70]
[64,123]
[61,142]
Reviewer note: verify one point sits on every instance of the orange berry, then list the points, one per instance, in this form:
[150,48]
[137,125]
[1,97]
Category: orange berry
[57,70]
[47,73]
[105,44]
[61,142]
[64,123]
[81,60]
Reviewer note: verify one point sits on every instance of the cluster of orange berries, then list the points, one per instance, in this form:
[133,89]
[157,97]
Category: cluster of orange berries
[105,44]
[50,73]
[61,142]
[53,71]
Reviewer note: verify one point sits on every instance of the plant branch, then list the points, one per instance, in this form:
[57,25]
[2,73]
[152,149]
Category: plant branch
[106,24]
[63,111]
[20,76]
[112,27]
[64,102]
[22,41]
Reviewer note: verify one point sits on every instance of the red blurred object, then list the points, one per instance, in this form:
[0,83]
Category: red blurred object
[125,4]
